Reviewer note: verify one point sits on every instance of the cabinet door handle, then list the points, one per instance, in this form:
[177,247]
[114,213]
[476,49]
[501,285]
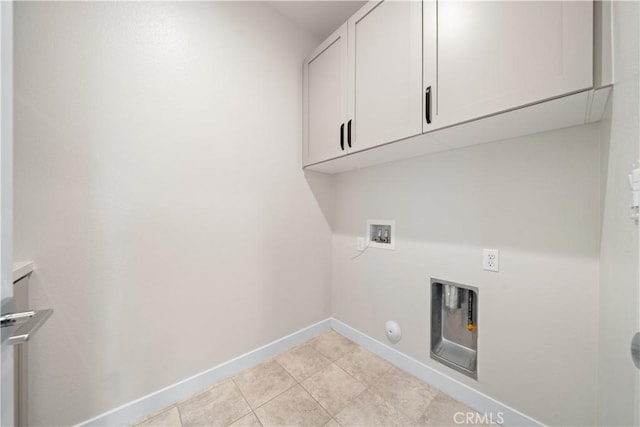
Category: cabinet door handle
[427,105]
[349,134]
[342,136]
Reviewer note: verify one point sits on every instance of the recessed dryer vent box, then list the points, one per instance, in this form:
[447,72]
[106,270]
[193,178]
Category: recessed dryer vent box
[381,233]
[454,326]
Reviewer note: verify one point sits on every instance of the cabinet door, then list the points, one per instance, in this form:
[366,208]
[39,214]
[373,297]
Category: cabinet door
[325,100]
[430,62]
[385,54]
[498,55]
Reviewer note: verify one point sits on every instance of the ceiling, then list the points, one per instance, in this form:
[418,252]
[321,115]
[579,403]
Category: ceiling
[319,18]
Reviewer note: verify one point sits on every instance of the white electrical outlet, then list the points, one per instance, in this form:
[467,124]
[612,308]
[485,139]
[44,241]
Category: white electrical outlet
[360,244]
[491,259]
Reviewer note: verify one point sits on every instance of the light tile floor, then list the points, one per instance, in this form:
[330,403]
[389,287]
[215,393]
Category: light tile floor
[326,381]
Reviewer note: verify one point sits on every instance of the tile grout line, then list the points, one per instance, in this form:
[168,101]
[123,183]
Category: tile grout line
[425,409]
[309,343]
[274,397]
[438,391]
[333,362]
[374,390]
[428,406]
[245,401]
[296,382]
[351,401]
[153,415]
[316,400]
[179,414]
[371,387]
[279,394]
[331,416]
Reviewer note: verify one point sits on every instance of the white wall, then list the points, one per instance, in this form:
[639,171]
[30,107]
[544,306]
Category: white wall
[618,394]
[6,204]
[536,199]
[158,189]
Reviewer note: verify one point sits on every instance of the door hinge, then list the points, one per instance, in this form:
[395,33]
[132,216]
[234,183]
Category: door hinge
[635,349]
[634,183]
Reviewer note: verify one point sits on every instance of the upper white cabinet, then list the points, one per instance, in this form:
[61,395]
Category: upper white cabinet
[363,84]
[433,75]
[385,73]
[496,56]
[325,100]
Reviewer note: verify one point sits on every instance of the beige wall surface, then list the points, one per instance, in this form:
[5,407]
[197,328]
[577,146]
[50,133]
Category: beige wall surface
[618,392]
[536,199]
[158,189]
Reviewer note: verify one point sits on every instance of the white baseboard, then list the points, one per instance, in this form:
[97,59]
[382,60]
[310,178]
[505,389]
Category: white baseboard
[133,411]
[454,388]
